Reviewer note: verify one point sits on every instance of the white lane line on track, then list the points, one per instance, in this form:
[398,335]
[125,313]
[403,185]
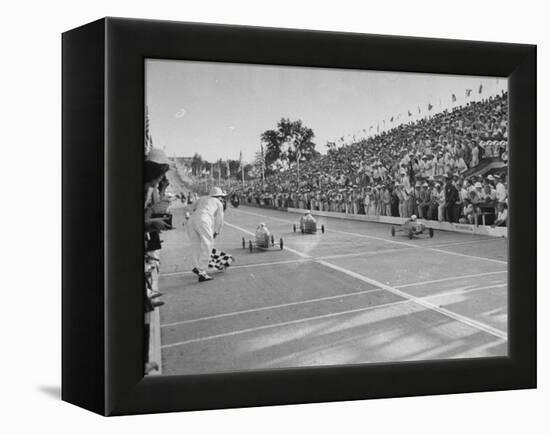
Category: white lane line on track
[498,261]
[313,318]
[296,252]
[262,215]
[483,240]
[344,255]
[238,267]
[292,261]
[282,324]
[349,255]
[422,302]
[465,291]
[315,300]
[466,276]
[275,306]
[390,241]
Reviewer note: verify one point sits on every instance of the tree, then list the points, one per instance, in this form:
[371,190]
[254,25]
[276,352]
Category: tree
[234,167]
[248,172]
[196,164]
[283,145]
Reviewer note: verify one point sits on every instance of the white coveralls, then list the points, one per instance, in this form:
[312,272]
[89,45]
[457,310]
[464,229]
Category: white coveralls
[207,219]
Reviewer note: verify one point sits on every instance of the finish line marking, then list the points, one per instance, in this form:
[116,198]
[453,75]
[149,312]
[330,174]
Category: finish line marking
[238,267]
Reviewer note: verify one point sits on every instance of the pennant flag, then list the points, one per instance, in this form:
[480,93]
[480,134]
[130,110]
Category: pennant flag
[453,97]
[419,111]
[384,121]
[468,92]
[409,113]
[370,128]
[430,107]
[480,88]
[391,119]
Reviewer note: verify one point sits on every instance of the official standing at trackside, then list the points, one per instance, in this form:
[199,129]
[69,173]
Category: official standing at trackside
[204,225]
[451,199]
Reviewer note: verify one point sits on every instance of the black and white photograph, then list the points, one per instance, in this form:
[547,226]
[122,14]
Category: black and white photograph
[299,217]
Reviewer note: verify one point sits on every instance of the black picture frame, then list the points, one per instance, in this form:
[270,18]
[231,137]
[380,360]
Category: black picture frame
[103,125]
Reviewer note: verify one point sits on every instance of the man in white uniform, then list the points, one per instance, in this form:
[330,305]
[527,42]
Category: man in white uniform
[204,225]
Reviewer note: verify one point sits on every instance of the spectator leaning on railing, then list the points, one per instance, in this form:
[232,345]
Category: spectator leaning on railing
[155,167]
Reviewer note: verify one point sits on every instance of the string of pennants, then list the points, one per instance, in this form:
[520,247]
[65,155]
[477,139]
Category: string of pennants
[468,94]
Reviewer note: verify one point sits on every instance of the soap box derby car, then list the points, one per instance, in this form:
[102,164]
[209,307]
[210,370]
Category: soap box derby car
[308,224]
[263,240]
[412,228]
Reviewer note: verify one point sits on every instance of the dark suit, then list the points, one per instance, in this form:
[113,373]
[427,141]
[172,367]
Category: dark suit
[451,198]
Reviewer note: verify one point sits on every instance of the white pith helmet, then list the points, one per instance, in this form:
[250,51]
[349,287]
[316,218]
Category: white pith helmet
[157,156]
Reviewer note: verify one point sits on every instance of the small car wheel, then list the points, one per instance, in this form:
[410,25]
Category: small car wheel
[411,235]
[393,231]
[323,229]
[431,233]
[281,243]
[250,246]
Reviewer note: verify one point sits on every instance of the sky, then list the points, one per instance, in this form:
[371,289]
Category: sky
[220,109]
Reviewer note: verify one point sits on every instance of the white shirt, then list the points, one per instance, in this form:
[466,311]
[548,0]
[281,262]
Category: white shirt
[208,210]
[501,192]
[463,194]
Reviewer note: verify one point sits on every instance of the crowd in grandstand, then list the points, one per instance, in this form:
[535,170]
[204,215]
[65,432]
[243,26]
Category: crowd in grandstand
[422,168]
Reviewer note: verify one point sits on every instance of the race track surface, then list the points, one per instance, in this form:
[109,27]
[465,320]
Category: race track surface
[351,295]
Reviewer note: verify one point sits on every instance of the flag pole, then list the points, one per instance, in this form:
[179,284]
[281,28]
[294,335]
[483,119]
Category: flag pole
[228,167]
[241,167]
[298,156]
[262,163]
